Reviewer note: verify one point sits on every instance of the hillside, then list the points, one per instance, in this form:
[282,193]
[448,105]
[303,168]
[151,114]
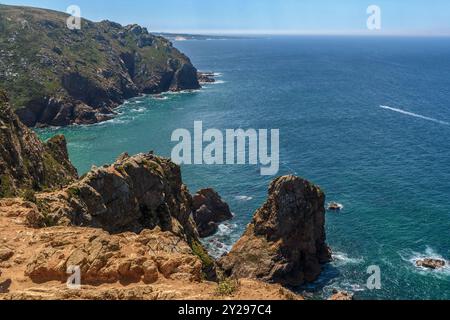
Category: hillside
[56,76]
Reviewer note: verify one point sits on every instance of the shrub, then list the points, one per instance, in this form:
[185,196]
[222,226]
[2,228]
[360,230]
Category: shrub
[227,287]
[200,252]
[30,196]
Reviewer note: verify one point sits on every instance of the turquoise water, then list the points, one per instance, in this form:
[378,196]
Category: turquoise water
[389,169]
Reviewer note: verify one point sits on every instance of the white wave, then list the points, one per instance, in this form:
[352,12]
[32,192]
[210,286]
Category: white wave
[181,92]
[341,258]
[139,110]
[160,98]
[415,115]
[244,198]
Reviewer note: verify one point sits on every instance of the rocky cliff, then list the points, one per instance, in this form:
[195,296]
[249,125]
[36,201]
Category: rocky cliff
[132,194]
[56,76]
[285,242]
[129,228]
[150,265]
[26,164]
[209,210]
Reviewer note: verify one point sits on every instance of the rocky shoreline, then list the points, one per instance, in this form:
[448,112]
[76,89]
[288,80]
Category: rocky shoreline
[133,229]
[80,76]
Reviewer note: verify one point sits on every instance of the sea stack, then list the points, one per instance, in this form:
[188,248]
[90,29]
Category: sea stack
[285,242]
[209,211]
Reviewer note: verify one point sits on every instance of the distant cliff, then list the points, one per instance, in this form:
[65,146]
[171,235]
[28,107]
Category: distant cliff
[56,76]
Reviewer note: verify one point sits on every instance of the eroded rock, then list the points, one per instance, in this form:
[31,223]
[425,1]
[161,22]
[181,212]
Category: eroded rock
[431,263]
[209,211]
[285,242]
[104,258]
[25,162]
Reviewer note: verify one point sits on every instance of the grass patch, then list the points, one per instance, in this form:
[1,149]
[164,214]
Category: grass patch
[227,287]
[200,252]
[30,196]
[74,192]
[6,187]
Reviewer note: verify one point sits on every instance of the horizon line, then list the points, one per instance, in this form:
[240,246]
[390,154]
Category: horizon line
[299,33]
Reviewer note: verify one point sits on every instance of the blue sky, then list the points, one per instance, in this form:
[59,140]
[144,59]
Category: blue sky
[407,17]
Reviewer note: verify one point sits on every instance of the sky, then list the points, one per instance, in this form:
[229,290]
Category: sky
[398,17]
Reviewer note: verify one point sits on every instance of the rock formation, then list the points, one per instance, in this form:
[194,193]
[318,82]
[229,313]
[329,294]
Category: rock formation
[431,263]
[285,242]
[128,228]
[206,77]
[209,211]
[341,296]
[132,194]
[150,265]
[25,162]
[56,76]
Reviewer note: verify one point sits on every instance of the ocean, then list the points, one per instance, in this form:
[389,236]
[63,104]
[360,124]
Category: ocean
[367,119]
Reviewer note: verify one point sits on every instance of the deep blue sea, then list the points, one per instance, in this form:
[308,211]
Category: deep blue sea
[390,168]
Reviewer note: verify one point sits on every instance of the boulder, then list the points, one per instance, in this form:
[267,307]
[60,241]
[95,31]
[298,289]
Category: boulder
[5,254]
[341,296]
[209,210]
[285,242]
[431,263]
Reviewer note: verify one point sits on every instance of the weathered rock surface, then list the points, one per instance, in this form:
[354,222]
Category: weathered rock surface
[133,194]
[341,296]
[209,211]
[285,242]
[103,258]
[151,265]
[206,77]
[25,162]
[57,76]
[431,263]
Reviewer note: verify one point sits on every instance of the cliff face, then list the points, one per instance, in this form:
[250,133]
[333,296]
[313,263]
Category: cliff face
[132,194]
[129,228]
[25,162]
[285,243]
[56,76]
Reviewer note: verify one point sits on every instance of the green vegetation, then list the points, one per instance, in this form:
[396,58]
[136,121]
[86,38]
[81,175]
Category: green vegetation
[227,287]
[30,196]
[73,192]
[37,50]
[6,186]
[200,252]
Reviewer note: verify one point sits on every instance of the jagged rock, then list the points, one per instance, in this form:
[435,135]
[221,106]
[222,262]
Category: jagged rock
[103,258]
[341,296]
[134,193]
[65,84]
[206,77]
[285,242]
[431,263]
[25,162]
[152,265]
[209,211]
